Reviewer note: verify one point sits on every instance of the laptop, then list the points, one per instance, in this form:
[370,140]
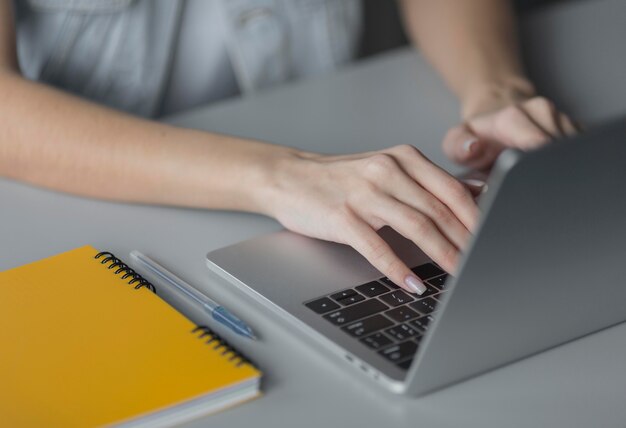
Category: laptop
[546,265]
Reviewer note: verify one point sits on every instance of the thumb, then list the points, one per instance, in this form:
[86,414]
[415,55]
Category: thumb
[464,147]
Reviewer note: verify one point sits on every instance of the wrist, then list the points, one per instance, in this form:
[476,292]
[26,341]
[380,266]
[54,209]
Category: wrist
[485,97]
[231,173]
[276,178]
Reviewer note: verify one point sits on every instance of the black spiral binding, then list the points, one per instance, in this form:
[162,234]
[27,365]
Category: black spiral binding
[218,343]
[135,278]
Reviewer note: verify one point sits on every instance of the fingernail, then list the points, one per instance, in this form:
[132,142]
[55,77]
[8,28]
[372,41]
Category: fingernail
[474,182]
[470,144]
[476,187]
[414,284]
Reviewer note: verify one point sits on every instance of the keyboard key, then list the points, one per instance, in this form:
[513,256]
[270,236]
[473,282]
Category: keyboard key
[399,352]
[430,290]
[427,271]
[343,294]
[355,312]
[396,298]
[438,282]
[367,326]
[402,332]
[352,299]
[389,283]
[403,313]
[323,305]
[377,341]
[422,323]
[372,289]
[424,306]
[404,365]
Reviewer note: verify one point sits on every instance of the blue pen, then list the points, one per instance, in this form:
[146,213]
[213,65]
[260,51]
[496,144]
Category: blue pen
[217,311]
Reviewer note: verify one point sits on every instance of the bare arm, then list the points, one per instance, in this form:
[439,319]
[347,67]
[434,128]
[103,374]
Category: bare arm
[52,139]
[8,56]
[474,46]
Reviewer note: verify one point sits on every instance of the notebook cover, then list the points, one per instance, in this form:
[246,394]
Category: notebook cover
[81,347]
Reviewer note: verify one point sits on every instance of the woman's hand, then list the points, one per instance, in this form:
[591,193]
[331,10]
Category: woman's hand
[523,122]
[346,199]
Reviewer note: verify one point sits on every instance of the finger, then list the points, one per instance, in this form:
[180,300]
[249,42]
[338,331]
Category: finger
[366,241]
[567,125]
[543,113]
[406,190]
[442,185]
[462,146]
[420,229]
[511,127]
[475,186]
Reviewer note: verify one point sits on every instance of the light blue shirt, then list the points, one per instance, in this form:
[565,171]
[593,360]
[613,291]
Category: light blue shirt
[149,56]
[201,70]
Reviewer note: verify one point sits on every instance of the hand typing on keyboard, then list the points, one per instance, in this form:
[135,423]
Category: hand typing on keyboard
[348,198]
[384,318]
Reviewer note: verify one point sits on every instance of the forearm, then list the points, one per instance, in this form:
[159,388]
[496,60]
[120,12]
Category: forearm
[473,44]
[8,55]
[59,141]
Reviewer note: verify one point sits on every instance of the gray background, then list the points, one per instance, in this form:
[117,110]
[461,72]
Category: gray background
[576,51]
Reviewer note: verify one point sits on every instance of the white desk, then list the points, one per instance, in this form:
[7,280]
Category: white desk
[577,51]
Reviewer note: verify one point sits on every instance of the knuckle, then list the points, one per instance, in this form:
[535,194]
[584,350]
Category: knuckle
[449,257]
[440,212]
[380,165]
[413,217]
[540,103]
[405,150]
[540,107]
[509,114]
[421,224]
[395,267]
[457,190]
[377,253]
[506,121]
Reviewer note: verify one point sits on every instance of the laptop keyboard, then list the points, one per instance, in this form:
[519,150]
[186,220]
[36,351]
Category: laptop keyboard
[382,316]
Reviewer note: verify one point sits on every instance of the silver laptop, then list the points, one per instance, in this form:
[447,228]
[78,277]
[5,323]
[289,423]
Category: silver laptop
[547,265]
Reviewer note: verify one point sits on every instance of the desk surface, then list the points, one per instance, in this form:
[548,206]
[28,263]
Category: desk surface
[577,53]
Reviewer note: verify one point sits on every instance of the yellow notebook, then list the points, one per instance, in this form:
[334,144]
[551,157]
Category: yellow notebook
[81,347]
